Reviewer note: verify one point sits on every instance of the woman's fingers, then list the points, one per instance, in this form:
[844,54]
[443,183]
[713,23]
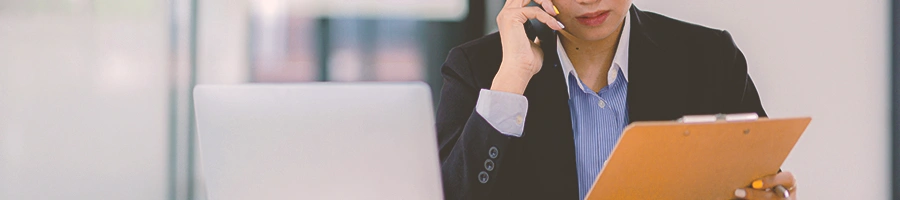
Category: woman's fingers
[540,15]
[746,193]
[785,179]
[765,188]
[548,6]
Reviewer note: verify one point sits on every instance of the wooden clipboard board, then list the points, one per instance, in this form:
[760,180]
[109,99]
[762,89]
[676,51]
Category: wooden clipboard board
[674,160]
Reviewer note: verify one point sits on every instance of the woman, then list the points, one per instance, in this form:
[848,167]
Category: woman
[523,119]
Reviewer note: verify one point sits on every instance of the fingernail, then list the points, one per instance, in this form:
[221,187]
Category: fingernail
[758,184]
[560,24]
[555,10]
[740,193]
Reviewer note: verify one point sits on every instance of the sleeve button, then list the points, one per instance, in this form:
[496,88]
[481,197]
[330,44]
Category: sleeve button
[493,152]
[489,165]
[483,177]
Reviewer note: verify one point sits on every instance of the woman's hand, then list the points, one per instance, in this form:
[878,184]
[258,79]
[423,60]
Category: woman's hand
[522,58]
[765,188]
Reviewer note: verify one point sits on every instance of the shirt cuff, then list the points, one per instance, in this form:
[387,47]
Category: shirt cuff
[505,111]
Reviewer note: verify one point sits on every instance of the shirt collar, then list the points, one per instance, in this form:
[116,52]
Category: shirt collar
[620,59]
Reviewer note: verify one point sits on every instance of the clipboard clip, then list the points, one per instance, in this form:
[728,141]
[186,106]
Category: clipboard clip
[718,117]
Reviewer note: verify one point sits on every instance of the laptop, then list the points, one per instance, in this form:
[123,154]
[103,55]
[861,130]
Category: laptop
[318,141]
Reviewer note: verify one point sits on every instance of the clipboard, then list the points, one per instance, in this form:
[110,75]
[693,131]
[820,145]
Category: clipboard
[697,157]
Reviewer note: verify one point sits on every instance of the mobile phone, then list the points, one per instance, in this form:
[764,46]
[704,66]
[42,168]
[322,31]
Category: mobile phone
[536,29]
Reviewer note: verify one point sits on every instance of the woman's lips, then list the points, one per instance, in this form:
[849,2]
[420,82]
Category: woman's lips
[593,19]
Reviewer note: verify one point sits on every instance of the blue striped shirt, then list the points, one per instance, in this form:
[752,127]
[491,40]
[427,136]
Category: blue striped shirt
[598,118]
[597,122]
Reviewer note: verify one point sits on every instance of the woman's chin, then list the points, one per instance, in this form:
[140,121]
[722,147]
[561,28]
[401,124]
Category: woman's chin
[590,35]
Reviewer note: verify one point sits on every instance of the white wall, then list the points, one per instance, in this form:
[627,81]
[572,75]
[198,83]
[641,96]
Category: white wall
[823,58]
[84,100]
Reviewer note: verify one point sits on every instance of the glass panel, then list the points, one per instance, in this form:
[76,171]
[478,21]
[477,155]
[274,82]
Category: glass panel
[84,104]
[287,46]
[282,47]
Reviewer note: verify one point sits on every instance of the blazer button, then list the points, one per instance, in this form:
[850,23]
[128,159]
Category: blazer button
[483,177]
[493,152]
[489,165]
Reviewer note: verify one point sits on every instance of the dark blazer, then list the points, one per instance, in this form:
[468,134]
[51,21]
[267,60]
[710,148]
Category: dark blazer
[675,68]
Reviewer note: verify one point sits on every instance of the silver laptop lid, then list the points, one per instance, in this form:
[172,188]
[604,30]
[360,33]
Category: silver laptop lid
[318,141]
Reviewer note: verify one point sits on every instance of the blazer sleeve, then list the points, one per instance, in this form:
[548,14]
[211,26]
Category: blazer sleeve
[744,90]
[471,150]
[740,90]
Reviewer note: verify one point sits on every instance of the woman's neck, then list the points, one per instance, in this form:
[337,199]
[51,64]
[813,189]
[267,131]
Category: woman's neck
[591,59]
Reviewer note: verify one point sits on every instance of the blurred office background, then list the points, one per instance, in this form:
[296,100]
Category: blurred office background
[95,94]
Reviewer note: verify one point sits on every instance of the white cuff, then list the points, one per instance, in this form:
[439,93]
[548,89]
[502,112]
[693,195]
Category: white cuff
[505,111]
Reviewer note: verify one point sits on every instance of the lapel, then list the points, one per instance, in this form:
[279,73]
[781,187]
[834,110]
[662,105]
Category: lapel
[656,88]
[549,141]
[548,100]
[548,94]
